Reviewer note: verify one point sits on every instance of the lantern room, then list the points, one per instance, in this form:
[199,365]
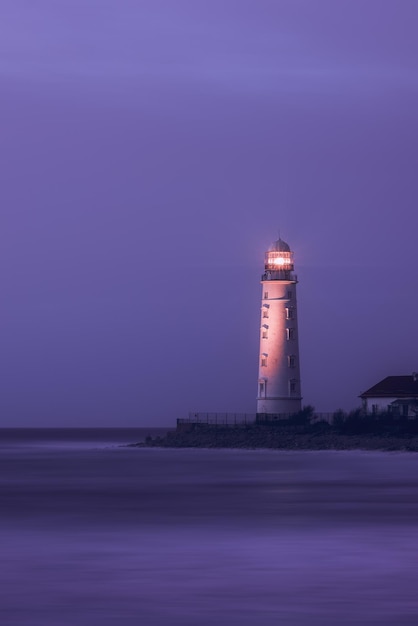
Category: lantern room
[279,257]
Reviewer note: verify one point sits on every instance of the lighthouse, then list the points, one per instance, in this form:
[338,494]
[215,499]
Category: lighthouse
[279,389]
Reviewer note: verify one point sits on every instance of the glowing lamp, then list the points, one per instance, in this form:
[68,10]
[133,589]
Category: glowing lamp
[279,260]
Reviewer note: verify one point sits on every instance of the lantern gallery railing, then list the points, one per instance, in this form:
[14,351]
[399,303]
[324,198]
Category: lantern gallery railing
[279,275]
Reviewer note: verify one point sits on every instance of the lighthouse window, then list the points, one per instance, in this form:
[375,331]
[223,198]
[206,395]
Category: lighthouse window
[292,361]
[263,361]
[290,333]
[265,313]
[264,334]
[289,295]
[289,314]
[261,393]
[266,295]
[292,386]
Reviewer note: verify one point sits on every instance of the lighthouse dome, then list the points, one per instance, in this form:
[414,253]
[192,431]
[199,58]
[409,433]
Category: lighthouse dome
[279,246]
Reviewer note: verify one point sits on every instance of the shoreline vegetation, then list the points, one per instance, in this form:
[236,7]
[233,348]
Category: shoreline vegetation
[301,431]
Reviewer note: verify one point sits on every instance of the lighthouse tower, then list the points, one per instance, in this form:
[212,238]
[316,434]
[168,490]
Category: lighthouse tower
[279,375]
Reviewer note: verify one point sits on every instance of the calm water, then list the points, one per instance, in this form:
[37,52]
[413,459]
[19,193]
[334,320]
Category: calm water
[94,533]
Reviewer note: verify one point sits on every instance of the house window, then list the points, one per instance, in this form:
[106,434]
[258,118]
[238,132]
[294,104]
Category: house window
[290,334]
[289,314]
[291,361]
[266,295]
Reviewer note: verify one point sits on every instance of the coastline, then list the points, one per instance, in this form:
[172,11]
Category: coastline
[282,438]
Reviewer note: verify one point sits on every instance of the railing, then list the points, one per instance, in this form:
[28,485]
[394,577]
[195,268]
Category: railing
[229,419]
[315,417]
[234,419]
[323,417]
[280,275]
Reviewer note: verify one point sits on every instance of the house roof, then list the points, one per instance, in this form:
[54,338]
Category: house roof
[394,387]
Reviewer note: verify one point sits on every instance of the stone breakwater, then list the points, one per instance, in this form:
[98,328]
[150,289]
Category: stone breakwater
[280,438]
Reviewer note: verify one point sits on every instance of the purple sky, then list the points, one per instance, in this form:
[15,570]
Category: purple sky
[151,150]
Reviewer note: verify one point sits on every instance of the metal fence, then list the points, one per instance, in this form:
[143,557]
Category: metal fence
[315,417]
[233,419]
[229,419]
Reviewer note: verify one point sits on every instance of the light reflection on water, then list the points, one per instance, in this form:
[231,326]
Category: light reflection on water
[199,537]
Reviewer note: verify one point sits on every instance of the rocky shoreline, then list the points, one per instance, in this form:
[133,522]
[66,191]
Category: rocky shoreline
[282,437]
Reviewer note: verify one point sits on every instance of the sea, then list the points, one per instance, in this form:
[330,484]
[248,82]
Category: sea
[95,532]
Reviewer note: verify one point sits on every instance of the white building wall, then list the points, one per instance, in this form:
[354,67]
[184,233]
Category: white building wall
[381,404]
[279,389]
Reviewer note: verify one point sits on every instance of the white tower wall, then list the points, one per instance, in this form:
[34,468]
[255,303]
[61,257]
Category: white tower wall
[279,389]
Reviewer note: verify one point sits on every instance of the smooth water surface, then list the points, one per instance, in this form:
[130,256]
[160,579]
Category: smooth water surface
[95,533]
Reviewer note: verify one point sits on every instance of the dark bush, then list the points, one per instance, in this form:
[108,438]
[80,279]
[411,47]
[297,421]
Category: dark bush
[338,419]
[303,417]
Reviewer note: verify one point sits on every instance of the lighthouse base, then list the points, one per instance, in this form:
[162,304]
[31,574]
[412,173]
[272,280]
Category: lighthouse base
[278,406]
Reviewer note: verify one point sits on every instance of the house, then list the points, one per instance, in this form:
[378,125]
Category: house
[395,394]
